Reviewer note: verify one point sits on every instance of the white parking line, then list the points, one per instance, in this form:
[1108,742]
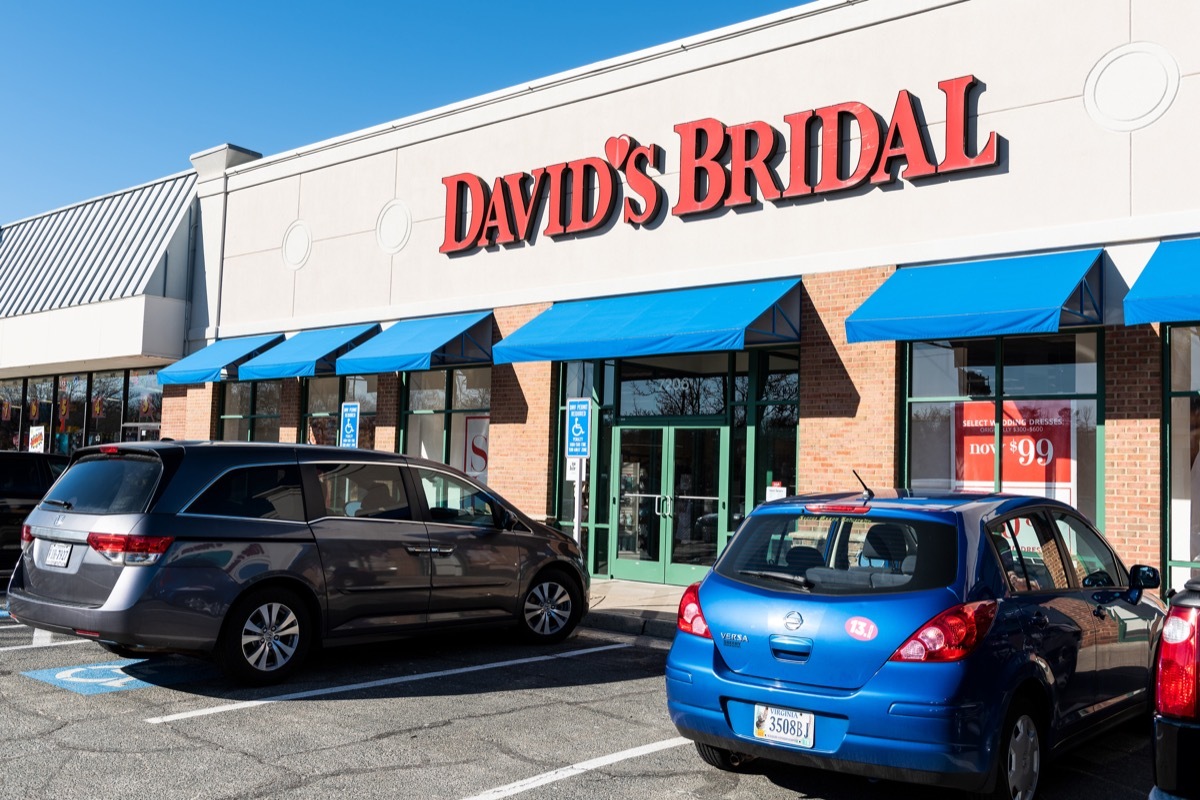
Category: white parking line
[42,638]
[577,769]
[352,687]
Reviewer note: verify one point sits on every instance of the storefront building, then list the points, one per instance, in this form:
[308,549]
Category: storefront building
[944,244]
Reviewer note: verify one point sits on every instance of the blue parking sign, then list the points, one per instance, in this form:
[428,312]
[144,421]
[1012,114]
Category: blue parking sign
[349,427]
[579,428]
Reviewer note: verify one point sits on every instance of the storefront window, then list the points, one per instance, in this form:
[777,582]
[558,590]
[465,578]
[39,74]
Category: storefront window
[1038,437]
[454,433]
[251,411]
[323,409]
[143,409]
[1183,537]
[39,407]
[12,411]
[104,410]
[679,386]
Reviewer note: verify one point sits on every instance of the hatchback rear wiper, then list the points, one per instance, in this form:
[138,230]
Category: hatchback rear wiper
[63,504]
[785,577]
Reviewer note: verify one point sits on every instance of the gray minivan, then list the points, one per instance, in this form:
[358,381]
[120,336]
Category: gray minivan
[255,553]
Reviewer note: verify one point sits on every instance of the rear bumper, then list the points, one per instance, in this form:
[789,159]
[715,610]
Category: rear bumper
[1176,769]
[887,730]
[129,617]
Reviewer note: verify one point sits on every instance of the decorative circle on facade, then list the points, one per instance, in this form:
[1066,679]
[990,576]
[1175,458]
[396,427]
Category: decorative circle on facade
[1131,86]
[297,245]
[393,227]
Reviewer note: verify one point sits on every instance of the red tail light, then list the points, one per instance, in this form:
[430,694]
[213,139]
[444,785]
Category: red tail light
[26,536]
[129,550]
[830,508]
[951,635]
[1175,676]
[691,617]
[108,449]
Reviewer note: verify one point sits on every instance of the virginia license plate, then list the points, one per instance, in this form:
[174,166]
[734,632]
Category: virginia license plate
[59,555]
[784,725]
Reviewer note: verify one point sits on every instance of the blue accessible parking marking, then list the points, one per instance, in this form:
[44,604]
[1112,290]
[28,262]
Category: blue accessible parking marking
[114,676]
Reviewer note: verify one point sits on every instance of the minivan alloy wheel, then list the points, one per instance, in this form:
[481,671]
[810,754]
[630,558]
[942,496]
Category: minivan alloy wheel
[551,608]
[266,637]
[270,636]
[547,608]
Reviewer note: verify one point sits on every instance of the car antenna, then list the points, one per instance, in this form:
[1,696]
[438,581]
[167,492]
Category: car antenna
[868,495]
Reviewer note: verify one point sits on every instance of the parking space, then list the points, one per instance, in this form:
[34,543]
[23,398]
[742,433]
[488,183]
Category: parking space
[457,716]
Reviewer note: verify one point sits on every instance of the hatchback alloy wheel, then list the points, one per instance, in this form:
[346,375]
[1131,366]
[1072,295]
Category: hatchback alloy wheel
[270,636]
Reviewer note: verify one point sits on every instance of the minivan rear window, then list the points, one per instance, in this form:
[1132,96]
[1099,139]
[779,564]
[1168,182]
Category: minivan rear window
[106,485]
[842,554]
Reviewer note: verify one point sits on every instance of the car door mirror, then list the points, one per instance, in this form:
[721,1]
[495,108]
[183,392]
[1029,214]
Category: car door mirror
[1144,577]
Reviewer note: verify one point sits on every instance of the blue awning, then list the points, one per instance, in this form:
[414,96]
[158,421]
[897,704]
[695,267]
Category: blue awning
[705,319]
[1027,294]
[307,353]
[217,362]
[1168,289]
[416,344]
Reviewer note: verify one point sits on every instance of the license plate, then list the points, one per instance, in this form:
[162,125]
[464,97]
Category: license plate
[784,725]
[59,555]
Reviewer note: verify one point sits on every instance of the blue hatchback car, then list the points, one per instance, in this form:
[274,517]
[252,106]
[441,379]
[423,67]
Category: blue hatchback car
[955,640]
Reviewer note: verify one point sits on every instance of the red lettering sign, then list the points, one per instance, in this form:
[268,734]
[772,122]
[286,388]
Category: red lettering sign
[719,167]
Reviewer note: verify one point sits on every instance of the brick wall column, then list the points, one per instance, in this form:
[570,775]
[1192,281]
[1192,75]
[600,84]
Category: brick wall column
[1133,430]
[521,431]
[289,410]
[849,393]
[387,412]
[190,411]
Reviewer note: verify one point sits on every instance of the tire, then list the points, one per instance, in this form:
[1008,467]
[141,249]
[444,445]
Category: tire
[1021,752]
[266,637]
[717,757]
[550,608]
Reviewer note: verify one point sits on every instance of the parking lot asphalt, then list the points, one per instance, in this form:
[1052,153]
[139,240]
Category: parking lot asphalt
[451,716]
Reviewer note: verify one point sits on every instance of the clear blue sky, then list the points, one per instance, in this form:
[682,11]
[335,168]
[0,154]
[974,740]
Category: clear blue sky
[99,96]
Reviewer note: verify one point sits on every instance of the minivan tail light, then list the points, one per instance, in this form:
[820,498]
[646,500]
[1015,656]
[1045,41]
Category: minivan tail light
[691,617]
[950,636]
[132,551]
[1175,674]
[26,536]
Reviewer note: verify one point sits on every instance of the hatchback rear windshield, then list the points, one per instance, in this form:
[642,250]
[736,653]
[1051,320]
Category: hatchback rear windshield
[842,554]
[106,485]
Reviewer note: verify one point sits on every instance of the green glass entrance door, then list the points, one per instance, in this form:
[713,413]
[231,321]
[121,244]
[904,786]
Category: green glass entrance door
[670,503]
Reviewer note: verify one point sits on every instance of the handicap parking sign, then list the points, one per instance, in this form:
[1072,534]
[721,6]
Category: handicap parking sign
[349,426]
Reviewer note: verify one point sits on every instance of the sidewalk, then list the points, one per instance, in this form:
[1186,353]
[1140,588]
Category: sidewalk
[640,609]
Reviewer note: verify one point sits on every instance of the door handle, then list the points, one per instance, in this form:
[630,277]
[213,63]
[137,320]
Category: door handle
[658,505]
[668,509]
[1041,621]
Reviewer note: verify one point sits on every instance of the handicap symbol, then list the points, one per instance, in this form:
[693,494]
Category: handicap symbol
[577,429]
[111,677]
[108,676]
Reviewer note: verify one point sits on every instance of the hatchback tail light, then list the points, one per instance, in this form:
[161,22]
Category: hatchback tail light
[26,536]
[132,551]
[691,617]
[951,635]
[1175,675]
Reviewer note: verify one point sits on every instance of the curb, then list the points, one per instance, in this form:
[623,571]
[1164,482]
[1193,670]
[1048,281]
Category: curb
[634,624]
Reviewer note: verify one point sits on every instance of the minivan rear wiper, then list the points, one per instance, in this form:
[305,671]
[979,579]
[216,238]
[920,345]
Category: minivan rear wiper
[63,504]
[785,577]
